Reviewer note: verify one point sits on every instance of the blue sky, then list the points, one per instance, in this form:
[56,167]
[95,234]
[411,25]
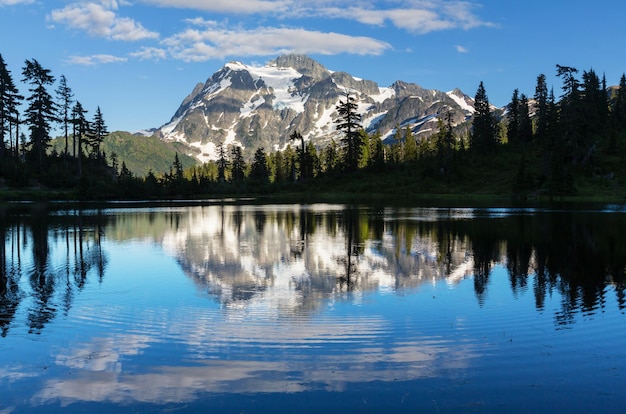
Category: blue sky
[138,59]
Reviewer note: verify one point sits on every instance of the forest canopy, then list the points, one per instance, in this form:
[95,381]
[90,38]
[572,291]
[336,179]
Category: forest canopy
[539,145]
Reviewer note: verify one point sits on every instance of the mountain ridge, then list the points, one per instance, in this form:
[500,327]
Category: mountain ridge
[261,106]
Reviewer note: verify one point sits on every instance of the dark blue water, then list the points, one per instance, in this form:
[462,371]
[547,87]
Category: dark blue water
[320,308]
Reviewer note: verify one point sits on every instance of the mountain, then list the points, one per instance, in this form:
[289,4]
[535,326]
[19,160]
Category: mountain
[142,154]
[260,106]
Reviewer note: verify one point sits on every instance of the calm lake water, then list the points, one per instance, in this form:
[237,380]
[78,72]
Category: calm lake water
[231,308]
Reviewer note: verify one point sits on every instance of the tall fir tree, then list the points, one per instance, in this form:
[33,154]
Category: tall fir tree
[98,132]
[410,146]
[541,115]
[80,129]
[238,169]
[396,153]
[376,152]
[512,128]
[41,111]
[65,101]
[222,162]
[349,122]
[618,115]
[330,157]
[525,129]
[484,126]
[9,108]
[259,171]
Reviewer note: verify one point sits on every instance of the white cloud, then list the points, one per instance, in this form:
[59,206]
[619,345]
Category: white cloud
[15,2]
[418,17]
[95,59]
[201,45]
[415,16]
[150,53]
[227,6]
[97,20]
[461,49]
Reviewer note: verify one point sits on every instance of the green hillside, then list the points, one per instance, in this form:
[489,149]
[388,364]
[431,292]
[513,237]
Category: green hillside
[140,153]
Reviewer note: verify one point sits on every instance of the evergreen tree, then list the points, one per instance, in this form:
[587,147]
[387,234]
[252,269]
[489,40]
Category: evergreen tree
[541,115]
[177,168]
[525,129]
[222,162]
[569,111]
[80,129]
[445,141]
[570,83]
[331,157]
[64,96]
[618,114]
[512,128]
[9,104]
[98,132]
[278,171]
[594,112]
[484,126]
[41,111]
[396,155]
[410,146]
[376,152]
[238,170]
[259,171]
[313,160]
[305,160]
[349,123]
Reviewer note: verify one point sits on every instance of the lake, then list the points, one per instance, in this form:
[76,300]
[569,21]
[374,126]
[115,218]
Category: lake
[233,307]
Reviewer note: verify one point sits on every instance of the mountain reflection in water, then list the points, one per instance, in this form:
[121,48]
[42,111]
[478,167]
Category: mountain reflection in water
[290,299]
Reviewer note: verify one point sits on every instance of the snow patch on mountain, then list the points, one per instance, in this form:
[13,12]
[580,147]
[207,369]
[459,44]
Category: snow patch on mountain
[280,81]
[460,101]
[385,93]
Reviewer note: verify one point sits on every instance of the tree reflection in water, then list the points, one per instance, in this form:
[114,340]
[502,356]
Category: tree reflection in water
[235,252]
[33,228]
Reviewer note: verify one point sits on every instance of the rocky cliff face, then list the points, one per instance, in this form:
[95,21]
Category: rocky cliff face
[261,106]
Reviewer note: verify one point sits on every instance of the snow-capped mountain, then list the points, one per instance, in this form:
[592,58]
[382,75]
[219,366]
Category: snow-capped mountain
[254,107]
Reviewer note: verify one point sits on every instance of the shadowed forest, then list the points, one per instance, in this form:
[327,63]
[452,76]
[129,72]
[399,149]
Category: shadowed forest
[540,146]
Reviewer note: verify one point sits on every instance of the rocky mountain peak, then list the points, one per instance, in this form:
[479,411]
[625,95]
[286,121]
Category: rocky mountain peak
[303,64]
[260,106]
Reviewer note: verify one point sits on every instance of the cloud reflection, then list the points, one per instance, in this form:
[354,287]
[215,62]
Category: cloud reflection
[247,357]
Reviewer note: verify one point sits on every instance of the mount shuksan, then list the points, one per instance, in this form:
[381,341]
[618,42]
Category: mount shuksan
[254,107]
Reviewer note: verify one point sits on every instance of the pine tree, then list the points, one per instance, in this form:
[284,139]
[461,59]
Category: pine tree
[222,162]
[64,96]
[259,171]
[98,132]
[445,141]
[525,129]
[177,167]
[396,154]
[80,129]
[238,170]
[594,112]
[9,104]
[618,114]
[41,111]
[376,152]
[541,99]
[349,123]
[569,111]
[305,161]
[484,130]
[512,128]
[330,157]
[410,146]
